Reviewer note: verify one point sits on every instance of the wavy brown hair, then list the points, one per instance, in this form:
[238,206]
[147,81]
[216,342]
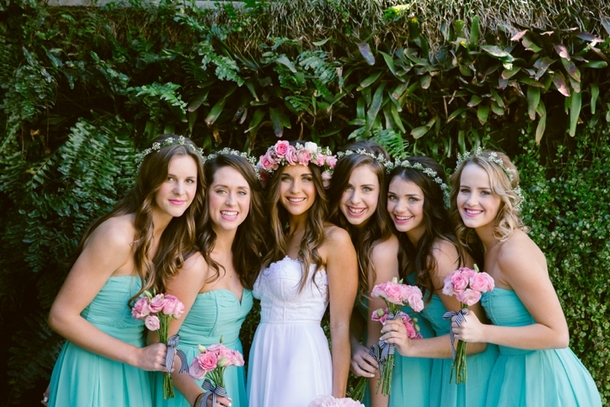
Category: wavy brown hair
[178,239]
[251,237]
[378,227]
[419,259]
[507,219]
[314,234]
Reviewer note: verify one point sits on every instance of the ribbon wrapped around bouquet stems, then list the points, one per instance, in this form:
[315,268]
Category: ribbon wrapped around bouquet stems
[211,392]
[460,317]
[172,349]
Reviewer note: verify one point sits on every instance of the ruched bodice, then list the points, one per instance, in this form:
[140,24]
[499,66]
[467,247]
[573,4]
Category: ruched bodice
[281,301]
[109,311]
[215,314]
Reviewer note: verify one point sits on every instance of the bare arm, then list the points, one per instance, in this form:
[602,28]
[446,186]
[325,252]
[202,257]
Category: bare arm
[342,272]
[384,258]
[107,253]
[521,265]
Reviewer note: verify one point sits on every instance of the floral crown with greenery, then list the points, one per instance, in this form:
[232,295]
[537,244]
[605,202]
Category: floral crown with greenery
[379,157]
[229,151]
[493,158]
[405,163]
[282,153]
[170,141]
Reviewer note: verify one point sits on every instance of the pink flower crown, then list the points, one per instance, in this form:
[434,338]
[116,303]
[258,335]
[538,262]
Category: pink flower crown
[282,153]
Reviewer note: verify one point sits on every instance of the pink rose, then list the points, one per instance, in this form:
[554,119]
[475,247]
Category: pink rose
[303,157]
[326,177]
[157,303]
[467,272]
[140,309]
[291,155]
[170,304]
[468,297]
[448,287]
[267,162]
[409,323]
[195,370]
[482,282]
[179,311]
[391,292]
[281,147]
[459,281]
[152,323]
[238,359]
[331,161]
[413,296]
[380,315]
[320,160]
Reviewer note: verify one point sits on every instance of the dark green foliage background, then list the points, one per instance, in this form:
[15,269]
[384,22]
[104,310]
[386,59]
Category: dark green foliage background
[83,89]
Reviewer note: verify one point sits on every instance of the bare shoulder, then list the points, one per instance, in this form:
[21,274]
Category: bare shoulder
[336,236]
[519,247]
[519,257]
[115,233]
[385,249]
[193,272]
[447,259]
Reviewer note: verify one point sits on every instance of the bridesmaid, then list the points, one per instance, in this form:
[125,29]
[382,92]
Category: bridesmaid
[358,204]
[535,366]
[214,285]
[311,264]
[104,361]
[416,203]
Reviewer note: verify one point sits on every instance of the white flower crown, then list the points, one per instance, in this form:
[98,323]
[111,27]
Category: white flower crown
[493,158]
[229,151]
[157,146]
[390,165]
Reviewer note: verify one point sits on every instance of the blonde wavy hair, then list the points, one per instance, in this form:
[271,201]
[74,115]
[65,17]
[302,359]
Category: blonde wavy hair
[504,182]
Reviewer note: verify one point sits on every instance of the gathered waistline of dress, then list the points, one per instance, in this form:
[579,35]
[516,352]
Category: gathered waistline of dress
[292,322]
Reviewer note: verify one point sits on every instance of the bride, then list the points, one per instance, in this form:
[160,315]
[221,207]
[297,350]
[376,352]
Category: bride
[312,264]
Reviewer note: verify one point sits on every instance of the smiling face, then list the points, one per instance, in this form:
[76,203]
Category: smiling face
[476,203]
[228,199]
[361,196]
[297,189]
[406,207]
[176,193]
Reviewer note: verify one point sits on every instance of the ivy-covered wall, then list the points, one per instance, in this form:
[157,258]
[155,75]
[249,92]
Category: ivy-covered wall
[82,89]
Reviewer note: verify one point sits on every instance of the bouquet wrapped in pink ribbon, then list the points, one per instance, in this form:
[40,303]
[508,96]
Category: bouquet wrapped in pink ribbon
[466,285]
[157,312]
[211,364]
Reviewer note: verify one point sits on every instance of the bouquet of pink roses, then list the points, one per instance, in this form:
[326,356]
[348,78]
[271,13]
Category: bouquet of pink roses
[395,295]
[467,285]
[157,311]
[330,401]
[211,364]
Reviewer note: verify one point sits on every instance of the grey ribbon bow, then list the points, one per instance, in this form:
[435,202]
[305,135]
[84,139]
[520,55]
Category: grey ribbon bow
[460,316]
[172,350]
[382,350]
[212,392]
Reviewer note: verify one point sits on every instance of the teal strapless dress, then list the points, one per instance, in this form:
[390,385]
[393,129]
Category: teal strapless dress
[443,393]
[411,376]
[82,378]
[214,314]
[532,378]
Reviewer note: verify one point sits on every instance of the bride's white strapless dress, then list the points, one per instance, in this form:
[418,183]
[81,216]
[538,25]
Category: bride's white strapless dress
[290,362]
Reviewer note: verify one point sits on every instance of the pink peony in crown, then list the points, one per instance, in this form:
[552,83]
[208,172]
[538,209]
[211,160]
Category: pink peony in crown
[283,153]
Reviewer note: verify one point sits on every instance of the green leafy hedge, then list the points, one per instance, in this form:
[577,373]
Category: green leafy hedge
[82,89]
